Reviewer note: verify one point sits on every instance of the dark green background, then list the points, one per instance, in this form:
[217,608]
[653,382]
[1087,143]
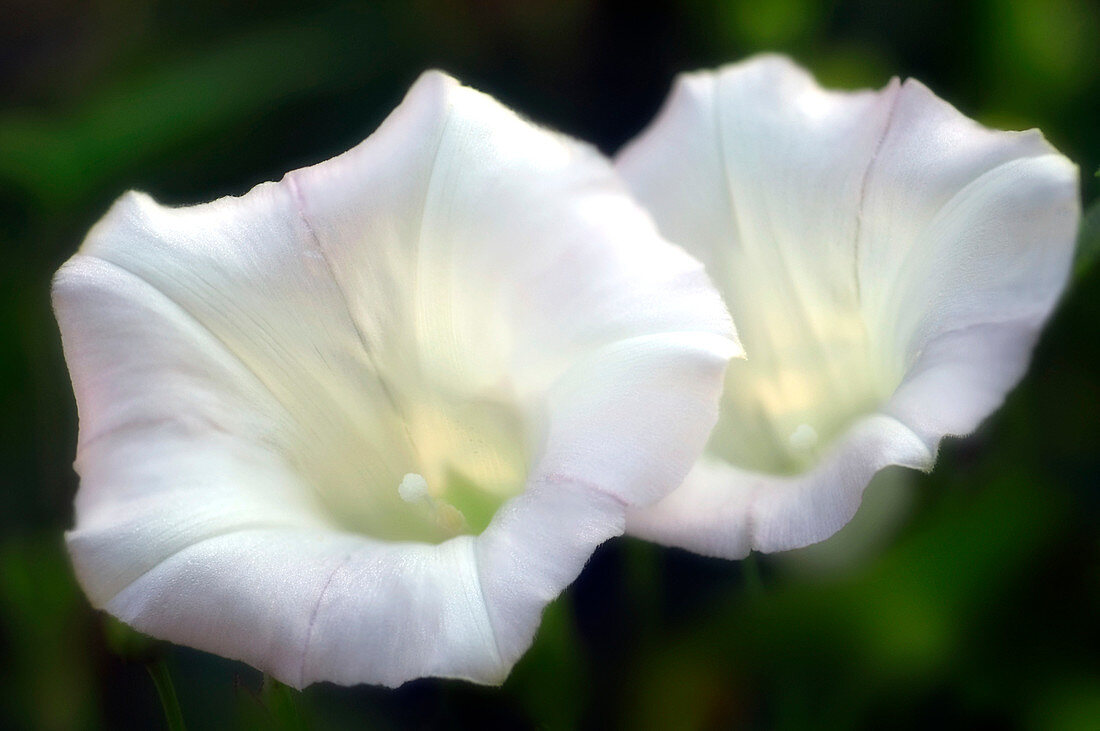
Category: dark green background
[968,598]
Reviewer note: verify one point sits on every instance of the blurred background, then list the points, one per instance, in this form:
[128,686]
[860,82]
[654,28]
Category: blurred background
[968,597]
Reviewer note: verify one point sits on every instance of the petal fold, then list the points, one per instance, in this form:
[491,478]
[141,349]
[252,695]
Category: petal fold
[726,512]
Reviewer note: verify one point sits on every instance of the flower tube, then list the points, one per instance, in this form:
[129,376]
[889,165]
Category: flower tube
[889,264]
[362,424]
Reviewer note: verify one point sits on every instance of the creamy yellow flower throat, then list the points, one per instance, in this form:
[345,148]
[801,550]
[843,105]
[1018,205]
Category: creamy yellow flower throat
[452,464]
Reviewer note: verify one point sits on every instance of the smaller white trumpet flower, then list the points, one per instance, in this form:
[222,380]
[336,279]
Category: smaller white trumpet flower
[361,425]
[888,263]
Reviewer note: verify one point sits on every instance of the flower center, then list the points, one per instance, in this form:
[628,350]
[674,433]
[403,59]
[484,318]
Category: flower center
[809,372]
[471,458]
[427,470]
[414,489]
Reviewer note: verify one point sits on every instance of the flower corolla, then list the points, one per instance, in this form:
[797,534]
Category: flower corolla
[363,424]
[889,264]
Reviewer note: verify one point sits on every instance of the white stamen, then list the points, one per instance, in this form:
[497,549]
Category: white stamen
[450,518]
[414,489]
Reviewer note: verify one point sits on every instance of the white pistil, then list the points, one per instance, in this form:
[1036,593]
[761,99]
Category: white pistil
[803,438]
[414,488]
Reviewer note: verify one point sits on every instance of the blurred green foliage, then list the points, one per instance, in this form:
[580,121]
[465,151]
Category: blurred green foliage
[978,609]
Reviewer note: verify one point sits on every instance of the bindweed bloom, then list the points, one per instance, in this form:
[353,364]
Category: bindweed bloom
[889,264]
[362,424]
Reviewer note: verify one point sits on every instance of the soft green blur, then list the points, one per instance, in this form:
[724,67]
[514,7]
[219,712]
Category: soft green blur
[967,597]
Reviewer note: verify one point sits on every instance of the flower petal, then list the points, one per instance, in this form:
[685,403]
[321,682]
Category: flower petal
[887,261]
[759,173]
[251,373]
[724,511]
[506,270]
[967,240]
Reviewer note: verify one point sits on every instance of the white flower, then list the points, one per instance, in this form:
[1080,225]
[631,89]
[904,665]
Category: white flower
[888,263]
[361,425]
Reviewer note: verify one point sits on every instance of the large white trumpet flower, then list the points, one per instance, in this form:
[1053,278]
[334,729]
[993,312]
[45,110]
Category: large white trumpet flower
[889,264]
[361,425]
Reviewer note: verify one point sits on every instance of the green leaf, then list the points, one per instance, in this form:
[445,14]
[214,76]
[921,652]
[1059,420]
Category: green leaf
[276,707]
[1088,242]
[281,701]
[60,158]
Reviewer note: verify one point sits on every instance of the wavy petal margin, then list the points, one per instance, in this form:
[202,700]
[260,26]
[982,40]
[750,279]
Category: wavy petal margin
[242,366]
[918,250]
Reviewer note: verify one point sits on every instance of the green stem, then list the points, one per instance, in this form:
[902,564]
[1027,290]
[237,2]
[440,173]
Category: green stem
[643,575]
[750,569]
[158,670]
